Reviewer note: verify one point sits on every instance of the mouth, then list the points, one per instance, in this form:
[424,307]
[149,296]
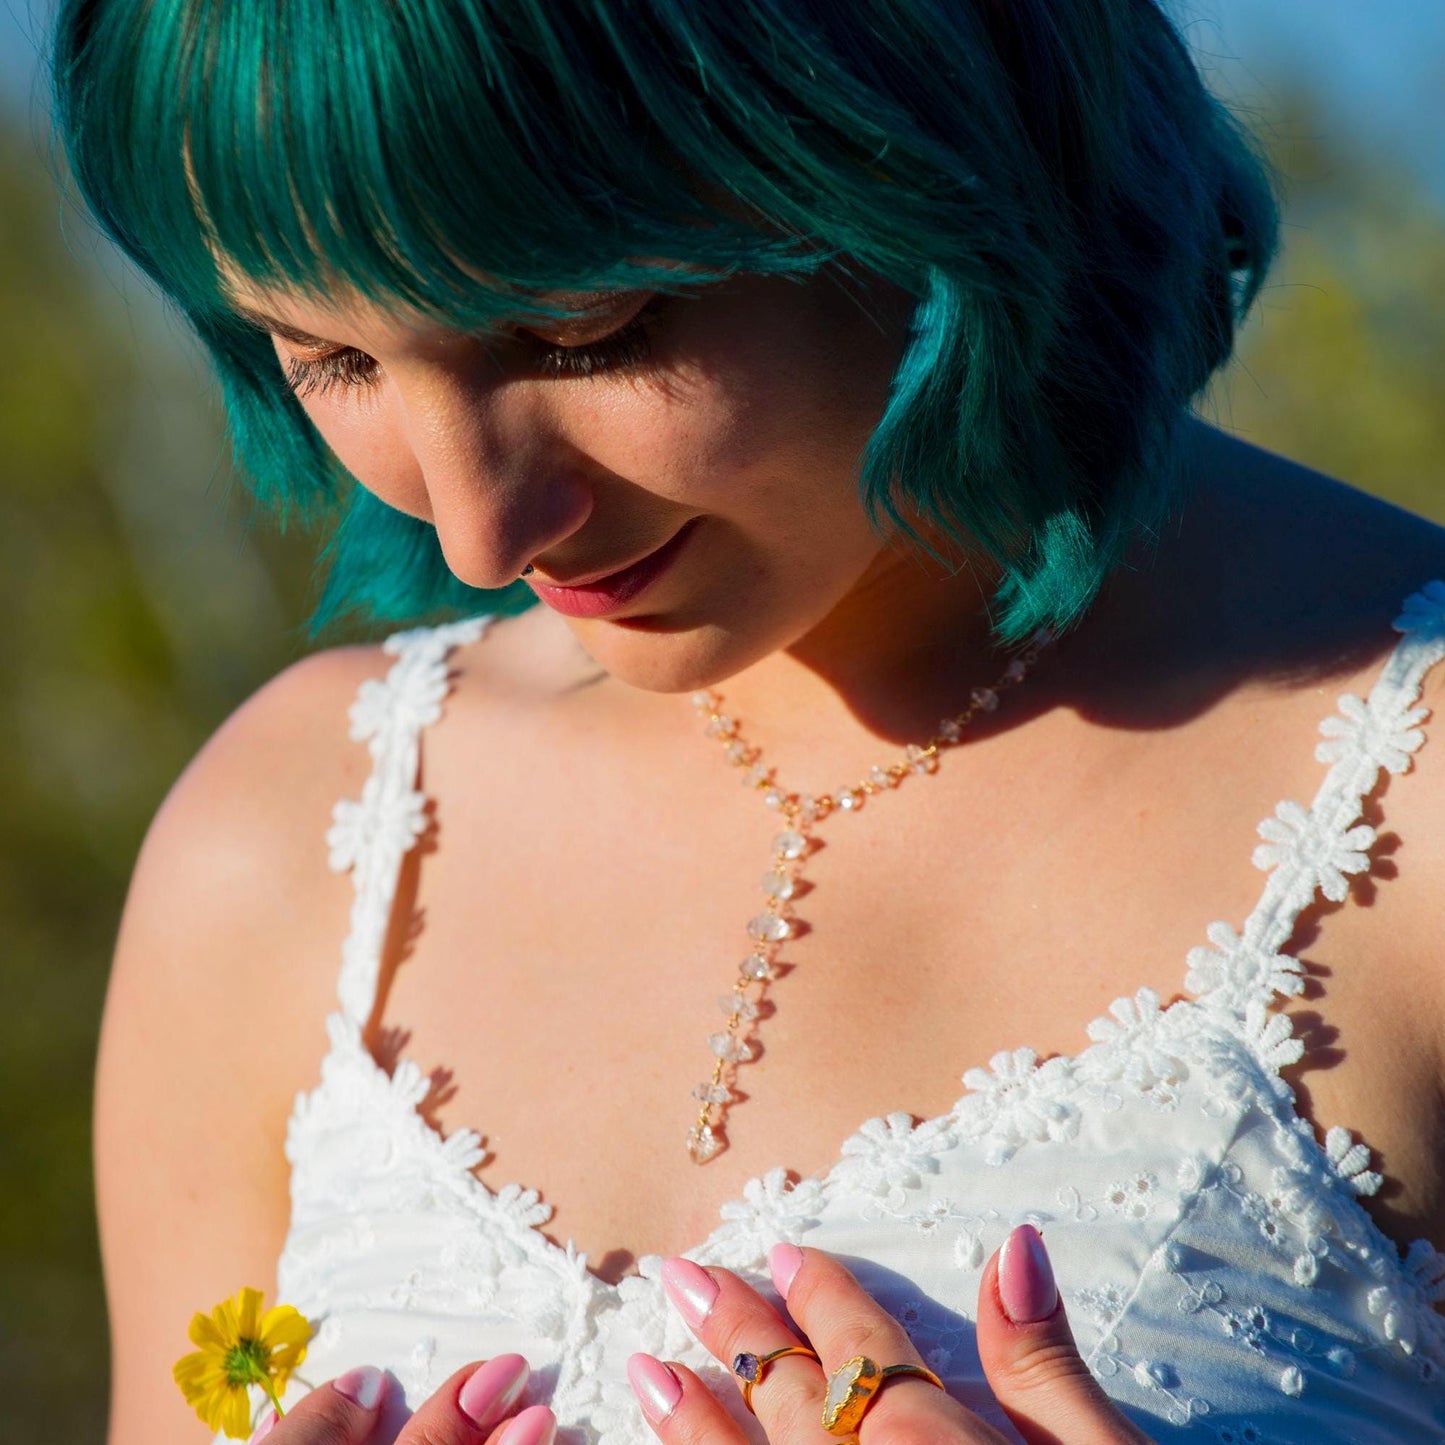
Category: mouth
[601,595]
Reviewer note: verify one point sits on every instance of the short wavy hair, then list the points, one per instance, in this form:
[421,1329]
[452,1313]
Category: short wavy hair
[1083,224]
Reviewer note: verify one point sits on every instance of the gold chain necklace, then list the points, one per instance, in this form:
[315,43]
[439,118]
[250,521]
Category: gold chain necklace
[801,813]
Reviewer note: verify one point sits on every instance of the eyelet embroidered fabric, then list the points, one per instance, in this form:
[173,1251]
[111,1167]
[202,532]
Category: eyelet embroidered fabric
[1223,1281]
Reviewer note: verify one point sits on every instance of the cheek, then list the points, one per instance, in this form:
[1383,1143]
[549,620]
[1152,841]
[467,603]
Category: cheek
[368,441]
[765,434]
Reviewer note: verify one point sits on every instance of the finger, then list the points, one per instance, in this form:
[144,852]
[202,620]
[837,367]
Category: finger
[342,1412]
[678,1406]
[1029,1356]
[844,1321]
[474,1405]
[732,1319]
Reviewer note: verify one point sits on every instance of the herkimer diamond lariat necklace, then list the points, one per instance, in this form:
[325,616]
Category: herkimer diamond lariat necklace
[800,814]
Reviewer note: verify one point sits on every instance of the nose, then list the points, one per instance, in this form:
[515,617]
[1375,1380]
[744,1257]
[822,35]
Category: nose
[501,482]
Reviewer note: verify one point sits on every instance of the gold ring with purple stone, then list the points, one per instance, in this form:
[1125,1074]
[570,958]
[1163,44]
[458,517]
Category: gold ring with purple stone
[854,1386]
[750,1369]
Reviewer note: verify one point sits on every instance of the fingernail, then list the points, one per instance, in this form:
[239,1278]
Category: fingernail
[1026,1278]
[691,1288]
[362,1387]
[536,1425]
[657,1389]
[784,1260]
[493,1388]
[264,1428]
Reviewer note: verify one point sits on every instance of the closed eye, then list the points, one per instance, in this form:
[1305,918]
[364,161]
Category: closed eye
[623,349]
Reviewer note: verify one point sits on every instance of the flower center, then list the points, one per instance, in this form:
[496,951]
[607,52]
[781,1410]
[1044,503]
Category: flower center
[246,1362]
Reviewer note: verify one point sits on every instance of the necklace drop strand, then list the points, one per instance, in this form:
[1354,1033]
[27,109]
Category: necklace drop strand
[800,814]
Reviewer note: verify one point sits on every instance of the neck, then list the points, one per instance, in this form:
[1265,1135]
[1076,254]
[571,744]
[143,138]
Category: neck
[903,649]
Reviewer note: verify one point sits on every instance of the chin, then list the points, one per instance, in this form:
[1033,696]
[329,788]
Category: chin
[676,652]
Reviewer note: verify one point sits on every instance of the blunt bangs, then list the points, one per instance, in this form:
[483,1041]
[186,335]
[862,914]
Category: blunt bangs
[1082,223]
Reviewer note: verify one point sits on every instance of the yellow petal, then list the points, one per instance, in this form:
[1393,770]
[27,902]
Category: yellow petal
[284,1325]
[210,1405]
[205,1332]
[227,1325]
[235,1418]
[248,1313]
[196,1374]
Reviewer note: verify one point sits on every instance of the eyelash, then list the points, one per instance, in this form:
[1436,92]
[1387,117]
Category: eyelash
[621,350]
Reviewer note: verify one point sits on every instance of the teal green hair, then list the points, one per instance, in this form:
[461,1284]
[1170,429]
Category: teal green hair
[1082,223]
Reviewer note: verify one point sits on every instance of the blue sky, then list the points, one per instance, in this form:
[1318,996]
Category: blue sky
[1383,61]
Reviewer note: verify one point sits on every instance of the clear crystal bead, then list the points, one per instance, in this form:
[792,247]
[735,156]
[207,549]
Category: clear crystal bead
[729,1049]
[755,966]
[721,726]
[767,928]
[705,701]
[850,799]
[1043,637]
[702,1143]
[882,778]
[735,1003]
[807,806]
[778,884]
[711,1093]
[985,698]
[950,729]
[920,760]
[775,797]
[756,776]
[736,751]
[789,844]
[1017,670]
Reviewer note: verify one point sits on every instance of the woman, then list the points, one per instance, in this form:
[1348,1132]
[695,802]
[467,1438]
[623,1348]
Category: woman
[831,365]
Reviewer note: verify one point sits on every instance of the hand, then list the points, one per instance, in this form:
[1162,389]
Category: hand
[1028,1354]
[474,1407]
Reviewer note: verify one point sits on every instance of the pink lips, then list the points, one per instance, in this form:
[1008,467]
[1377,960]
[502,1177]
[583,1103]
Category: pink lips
[606,594]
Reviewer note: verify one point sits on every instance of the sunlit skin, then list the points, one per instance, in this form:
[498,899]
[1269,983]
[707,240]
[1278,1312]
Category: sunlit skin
[836,646]
[581,904]
[749,414]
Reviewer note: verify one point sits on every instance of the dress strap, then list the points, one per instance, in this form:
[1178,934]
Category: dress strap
[371,835]
[1309,851]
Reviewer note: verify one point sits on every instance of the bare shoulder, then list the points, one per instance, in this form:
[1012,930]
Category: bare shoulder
[1317,572]
[225,969]
[218,992]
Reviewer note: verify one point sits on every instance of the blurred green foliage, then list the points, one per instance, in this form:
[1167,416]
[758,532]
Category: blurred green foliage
[144,605]
[141,610]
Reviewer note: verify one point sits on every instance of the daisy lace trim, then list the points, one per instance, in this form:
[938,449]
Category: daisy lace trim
[1017,1101]
[371,835]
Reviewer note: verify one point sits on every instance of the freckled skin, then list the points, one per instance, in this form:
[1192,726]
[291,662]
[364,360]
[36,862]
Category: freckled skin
[582,902]
[836,647]
[751,413]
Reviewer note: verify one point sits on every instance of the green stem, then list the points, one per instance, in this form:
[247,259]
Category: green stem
[268,1385]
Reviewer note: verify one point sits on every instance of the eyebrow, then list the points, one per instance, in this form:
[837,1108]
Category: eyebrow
[291,333]
[306,339]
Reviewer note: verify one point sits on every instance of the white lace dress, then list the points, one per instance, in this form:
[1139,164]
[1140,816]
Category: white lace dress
[1223,1281]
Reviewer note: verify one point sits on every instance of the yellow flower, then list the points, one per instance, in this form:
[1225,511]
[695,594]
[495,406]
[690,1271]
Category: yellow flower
[239,1347]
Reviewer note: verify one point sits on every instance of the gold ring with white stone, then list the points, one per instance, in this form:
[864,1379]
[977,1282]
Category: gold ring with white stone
[854,1386]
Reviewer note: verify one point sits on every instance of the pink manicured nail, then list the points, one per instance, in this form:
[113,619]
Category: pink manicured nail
[784,1260]
[362,1386]
[1026,1278]
[268,1420]
[536,1425]
[493,1389]
[657,1389]
[691,1288]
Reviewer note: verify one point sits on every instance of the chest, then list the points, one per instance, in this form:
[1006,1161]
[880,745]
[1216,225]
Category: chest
[561,949]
